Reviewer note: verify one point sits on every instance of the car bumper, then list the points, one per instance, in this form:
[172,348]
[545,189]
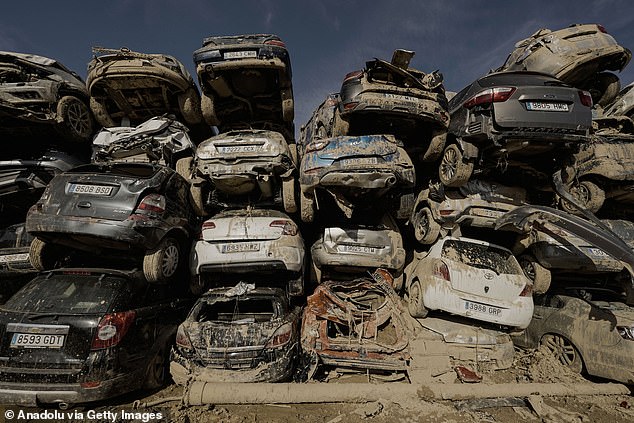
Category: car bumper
[392,261]
[558,257]
[422,110]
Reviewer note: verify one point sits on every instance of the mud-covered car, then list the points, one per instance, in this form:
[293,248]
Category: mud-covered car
[357,247]
[159,140]
[357,324]
[15,242]
[245,167]
[246,83]
[470,278]
[40,97]
[623,104]
[132,210]
[320,123]
[586,330]
[128,85]
[478,203]
[578,55]
[238,334]
[264,242]
[81,335]
[392,98]
[521,120]
[355,171]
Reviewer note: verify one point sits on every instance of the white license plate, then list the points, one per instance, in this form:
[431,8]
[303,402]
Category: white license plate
[360,161]
[31,340]
[244,247]
[14,257]
[357,249]
[487,213]
[240,54]
[546,107]
[400,97]
[470,306]
[89,189]
[239,149]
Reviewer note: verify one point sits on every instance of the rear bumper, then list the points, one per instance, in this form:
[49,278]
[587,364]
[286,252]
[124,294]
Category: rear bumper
[393,261]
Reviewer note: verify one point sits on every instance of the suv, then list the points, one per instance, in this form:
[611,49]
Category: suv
[37,94]
[126,209]
[578,55]
[513,120]
[246,83]
[392,98]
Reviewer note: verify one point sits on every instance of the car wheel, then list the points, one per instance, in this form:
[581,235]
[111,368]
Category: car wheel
[184,167]
[76,120]
[288,108]
[606,87]
[189,106]
[563,350]
[208,111]
[161,264]
[288,194]
[197,285]
[453,170]
[426,229]
[538,274]
[436,145]
[415,303]
[588,194]
[339,126]
[157,370]
[42,255]
[307,206]
[101,114]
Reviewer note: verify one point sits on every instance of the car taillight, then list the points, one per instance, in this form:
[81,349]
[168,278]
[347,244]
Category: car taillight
[281,336]
[446,212]
[206,225]
[441,270]
[153,203]
[491,95]
[528,290]
[351,105]
[111,329]
[353,75]
[182,340]
[586,98]
[316,145]
[288,227]
[275,43]
[602,28]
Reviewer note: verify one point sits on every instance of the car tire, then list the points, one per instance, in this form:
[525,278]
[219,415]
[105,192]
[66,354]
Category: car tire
[606,87]
[208,110]
[339,126]
[157,371]
[74,115]
[426,229]
[307,207]
[415,304]
[588,194]
[163,262]
[101,114]
[436,146]
[538,274]
[288,194]
[189,106]
[184,167]
[288,107]
[453,170]
[563,350]
[197,285]
[42,255]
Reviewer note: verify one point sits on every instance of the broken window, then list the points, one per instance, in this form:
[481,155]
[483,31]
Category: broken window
[481,256]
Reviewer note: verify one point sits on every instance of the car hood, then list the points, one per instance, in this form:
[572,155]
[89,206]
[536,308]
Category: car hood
[243,145]
[365,145]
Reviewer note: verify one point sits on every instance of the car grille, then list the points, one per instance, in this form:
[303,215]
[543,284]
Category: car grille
[27,95]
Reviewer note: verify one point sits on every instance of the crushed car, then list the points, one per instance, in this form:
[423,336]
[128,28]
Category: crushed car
[622,105]
[244,167]
[248,241]
[478,203]
[131,87]
[40,97]
[320,123]
[129,210]
[356,170]
[239,334]
[392,98]
[246,82]
[79,335]
[578,55]
[513,120]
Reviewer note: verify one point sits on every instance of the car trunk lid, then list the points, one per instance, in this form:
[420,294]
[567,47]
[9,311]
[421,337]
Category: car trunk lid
[362,146]
[244,228]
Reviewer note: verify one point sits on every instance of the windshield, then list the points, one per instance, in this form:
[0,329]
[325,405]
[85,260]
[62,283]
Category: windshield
[238,310]
[481,256]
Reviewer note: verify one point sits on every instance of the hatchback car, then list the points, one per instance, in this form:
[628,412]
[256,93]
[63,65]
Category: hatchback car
[238,334]
[40,98]
[133,86]
[264,242]
[357,171]
[478,203]
[586,330]
[470,278]
[578,55]
[513,120]
[246,83]
[246,167]
[128,209]
[80,335]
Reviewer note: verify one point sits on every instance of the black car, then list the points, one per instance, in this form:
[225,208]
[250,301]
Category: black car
[125,209]
[81,335]
[513,120]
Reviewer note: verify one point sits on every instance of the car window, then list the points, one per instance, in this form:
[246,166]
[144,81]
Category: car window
[518,79]
[238,310]
[459,98]
[481,256]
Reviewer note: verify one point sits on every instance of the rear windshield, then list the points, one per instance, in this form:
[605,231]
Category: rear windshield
[70,294]
[120,169]
[518,79]
[15,236]
[481,256]
[238,310]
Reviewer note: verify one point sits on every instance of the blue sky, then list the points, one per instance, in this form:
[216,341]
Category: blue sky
[326,38]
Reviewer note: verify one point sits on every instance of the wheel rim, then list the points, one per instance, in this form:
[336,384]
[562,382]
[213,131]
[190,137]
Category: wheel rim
[562,350]
[414,296]
[78,118]
[582,194]
[448,165]
[422,224]
[529,269]
[170,260]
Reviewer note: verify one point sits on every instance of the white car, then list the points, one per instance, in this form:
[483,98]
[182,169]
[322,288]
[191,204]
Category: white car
[470,278]
[248,241]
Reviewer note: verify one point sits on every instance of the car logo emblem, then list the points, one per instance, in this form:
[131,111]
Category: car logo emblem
[486,289]
[488,276]
[549,96]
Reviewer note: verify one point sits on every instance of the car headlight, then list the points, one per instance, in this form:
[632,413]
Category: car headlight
[626,332]
[317,145]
